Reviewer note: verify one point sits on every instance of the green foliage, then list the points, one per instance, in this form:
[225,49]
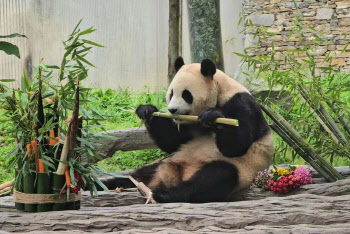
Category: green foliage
[118,104]
[8,47]
[43,104]
[131,160]
[317,90]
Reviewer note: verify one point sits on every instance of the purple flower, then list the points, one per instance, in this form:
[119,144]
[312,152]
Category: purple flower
[262,179]
[305,176]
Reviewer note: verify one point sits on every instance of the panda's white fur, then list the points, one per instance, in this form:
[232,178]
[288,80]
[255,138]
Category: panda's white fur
[203,149]
[207,92]
[206,162]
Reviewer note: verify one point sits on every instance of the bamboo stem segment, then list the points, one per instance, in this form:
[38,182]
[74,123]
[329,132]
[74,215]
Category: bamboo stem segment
[193,118]
[306,151]
[144,190]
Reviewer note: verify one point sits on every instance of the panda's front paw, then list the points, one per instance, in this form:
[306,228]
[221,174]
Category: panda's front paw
[207,118]
[145,111]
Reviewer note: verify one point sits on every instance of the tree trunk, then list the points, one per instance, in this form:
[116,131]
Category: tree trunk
[205,31]
[175,36]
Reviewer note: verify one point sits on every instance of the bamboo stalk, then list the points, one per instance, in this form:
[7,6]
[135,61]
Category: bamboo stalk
[193,118]
[309,149]
[299,151]
[295,136]
[324,125]
[63,160]
[335,110]
[326,118]
[74,122]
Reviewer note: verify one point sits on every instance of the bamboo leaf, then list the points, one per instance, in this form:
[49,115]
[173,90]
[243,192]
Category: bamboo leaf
[92,43]
[5,95]
[9,48]
[84,60]
[7,80]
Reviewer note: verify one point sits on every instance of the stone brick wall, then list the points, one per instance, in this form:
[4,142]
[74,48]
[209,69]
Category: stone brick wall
[331,16]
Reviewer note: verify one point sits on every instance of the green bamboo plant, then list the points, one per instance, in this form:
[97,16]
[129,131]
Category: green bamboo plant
[42,105]
[319,110]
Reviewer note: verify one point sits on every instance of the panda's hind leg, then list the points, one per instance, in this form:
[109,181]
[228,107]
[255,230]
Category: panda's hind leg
[214,182]
[144,174]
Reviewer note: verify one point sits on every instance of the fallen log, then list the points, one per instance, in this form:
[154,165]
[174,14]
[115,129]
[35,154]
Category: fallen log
[302,213]
[126,140]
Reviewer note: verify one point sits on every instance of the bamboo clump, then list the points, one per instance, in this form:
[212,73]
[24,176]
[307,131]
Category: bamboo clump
[300,145]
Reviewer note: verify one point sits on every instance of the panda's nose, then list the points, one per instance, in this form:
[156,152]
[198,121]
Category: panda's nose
[172,111]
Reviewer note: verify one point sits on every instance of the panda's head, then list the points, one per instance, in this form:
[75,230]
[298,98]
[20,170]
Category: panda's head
[193,88]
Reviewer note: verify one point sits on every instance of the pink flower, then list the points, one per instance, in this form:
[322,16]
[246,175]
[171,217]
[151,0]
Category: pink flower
[303,176]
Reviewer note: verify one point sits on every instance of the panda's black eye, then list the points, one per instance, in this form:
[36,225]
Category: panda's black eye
[171,95]
[187,96]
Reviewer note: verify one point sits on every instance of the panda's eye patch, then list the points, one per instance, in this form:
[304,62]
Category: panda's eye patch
[171,95]
[187,96]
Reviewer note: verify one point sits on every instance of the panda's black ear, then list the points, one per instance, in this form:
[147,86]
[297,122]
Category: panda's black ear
[208,68]
[179,62]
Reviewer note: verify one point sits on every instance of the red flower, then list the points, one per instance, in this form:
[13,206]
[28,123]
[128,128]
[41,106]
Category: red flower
[77,175]
[75,189]
[63,191]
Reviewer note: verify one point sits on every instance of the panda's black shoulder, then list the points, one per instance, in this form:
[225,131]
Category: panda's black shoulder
[246,109]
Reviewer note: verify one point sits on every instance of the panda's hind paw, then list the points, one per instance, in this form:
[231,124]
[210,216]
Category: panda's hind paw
[161,195]
[207,117]
[145,111]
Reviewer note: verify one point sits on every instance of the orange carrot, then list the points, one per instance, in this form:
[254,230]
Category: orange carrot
[52,135]
[35,149]
[67,176]
[41,166]
[57,140]
[29,151]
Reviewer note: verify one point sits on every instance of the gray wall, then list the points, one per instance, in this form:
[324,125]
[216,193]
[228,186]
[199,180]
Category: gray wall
[134,32]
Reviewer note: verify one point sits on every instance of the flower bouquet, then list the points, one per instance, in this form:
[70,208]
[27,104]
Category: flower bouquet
[282,180]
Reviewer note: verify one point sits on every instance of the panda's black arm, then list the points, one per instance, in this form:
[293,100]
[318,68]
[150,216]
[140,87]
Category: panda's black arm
[165,134]
[235,141]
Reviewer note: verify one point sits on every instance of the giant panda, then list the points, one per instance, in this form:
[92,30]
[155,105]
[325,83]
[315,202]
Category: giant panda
[207,162]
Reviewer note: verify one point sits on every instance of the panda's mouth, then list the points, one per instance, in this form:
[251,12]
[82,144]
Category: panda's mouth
[179,112]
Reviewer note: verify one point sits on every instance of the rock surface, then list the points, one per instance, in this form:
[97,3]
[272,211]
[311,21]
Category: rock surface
[317,208]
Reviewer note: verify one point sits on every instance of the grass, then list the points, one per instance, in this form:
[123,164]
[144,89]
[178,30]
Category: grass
[114,104]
